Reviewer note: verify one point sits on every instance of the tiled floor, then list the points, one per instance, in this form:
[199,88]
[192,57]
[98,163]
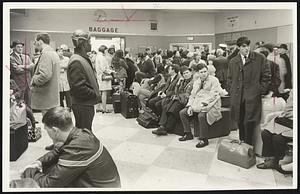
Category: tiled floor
[149,162]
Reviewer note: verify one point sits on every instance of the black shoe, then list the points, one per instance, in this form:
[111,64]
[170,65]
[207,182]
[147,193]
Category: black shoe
[50,147]
[187,136]
[99,110]
[160,131]
[267,164]
[279,169]
[202,143]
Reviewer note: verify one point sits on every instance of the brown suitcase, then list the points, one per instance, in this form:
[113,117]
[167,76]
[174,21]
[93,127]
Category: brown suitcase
[237,153]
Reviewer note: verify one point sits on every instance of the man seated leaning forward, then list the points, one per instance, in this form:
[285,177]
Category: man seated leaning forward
[80,161]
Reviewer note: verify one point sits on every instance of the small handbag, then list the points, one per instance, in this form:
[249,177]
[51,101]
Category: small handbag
[17,115]
[107,77]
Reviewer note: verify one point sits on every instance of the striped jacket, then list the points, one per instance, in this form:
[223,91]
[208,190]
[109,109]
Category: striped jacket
[82,161]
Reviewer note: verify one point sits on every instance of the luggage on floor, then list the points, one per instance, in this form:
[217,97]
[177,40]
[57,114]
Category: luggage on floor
[148,119]
[178,129]
[34,134]
[17,115]
[116,102]
[129,105]
[219,128]
[237,153]
[18,141]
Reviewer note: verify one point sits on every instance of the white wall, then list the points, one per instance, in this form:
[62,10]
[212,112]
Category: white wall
[169,23]
[253,19]
[285,34]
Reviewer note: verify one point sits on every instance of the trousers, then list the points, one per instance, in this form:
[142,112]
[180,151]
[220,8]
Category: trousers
[67,95]
[84,116]
[185,118]
[246,128]
[274,145]
[156,105]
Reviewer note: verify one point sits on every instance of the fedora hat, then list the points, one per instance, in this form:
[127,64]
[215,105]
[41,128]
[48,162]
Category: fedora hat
[16,42]
[284,46]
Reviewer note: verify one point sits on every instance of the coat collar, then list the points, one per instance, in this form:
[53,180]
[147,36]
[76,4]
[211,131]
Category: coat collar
[47,48]
[251,56]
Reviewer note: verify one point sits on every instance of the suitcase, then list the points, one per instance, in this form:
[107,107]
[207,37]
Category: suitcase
[219,128]
[178,129]
[116,102]
[225,101]
[18,142]
[148,119]
[129,105]
[237,153]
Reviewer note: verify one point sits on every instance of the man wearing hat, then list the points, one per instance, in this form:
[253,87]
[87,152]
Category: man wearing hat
[83,82]
[249,77]
[288,76]
[274,56]
[21,67]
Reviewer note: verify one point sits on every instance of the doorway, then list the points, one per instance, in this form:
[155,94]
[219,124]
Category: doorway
[117,42]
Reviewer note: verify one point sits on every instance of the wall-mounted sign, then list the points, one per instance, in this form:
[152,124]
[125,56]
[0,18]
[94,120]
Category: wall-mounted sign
[190,38]
[233,22]
[103,29]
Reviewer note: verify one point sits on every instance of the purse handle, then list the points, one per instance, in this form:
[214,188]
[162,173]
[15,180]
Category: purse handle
[237,141]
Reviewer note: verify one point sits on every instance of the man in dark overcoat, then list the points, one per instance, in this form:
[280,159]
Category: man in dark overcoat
[249,77]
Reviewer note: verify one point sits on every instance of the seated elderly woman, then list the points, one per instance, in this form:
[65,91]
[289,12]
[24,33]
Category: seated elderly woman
[204,100]
[79,159]
[172,105]
[275,139]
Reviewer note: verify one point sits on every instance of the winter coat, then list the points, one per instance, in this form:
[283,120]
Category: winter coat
[45,81]
[247,83]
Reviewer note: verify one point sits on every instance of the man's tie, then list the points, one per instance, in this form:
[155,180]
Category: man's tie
[245,59]
[21,59]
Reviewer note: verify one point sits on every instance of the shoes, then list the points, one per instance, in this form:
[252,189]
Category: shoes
[187,136]
[202,143]
[106,111]
[50,147]
[99,110]
[160,131]
[267,164]
[279,169]
[286,160]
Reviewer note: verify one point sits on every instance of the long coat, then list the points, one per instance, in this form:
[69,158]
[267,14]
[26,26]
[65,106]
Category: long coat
[248,82]
[22,76]
[45,81]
